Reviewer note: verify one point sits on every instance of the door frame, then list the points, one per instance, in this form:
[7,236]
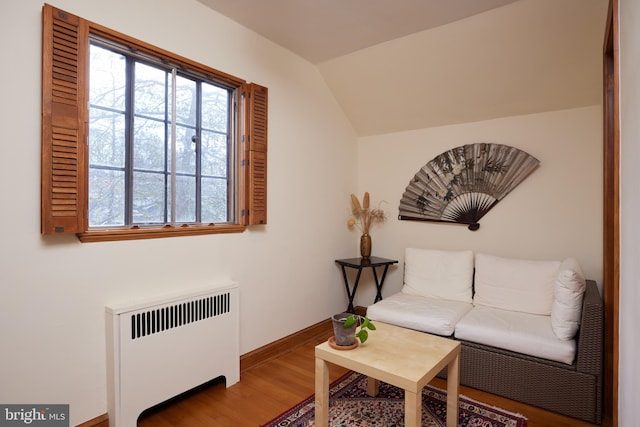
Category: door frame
[611,212]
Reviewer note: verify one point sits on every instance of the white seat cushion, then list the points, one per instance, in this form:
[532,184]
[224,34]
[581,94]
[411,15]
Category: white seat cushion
[439,274]
[516,331]
[433,315]
[515,284]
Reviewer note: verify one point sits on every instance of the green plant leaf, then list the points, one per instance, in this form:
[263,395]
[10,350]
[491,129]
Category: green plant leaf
[366,323]
[362,335]
[350,321]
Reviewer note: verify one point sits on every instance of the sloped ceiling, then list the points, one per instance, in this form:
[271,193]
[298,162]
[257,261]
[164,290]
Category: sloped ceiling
[411,64]
[319,30]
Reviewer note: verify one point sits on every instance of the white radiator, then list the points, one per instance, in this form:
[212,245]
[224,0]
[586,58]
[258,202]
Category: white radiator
[160,348]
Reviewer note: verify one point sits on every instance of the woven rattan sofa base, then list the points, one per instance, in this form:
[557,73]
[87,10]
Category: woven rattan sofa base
[573,390]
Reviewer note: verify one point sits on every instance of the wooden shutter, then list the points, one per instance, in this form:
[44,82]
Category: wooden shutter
[254,153]
[64,50]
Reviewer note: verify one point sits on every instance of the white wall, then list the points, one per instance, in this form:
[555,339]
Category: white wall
[629,342]
[54,289]
[554,213]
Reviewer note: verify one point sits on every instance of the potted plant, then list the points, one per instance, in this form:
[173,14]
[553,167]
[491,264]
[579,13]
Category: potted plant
[345,326]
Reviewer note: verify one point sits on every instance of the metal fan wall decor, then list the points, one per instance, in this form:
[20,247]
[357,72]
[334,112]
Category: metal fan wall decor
[462,184]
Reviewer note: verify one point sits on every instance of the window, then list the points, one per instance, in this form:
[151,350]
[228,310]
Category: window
[135,139]
[140,143]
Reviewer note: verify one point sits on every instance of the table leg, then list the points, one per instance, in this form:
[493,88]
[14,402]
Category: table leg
[351,294]
[453,383]
[413,409]
[322,393]
[380,283]
[373,386]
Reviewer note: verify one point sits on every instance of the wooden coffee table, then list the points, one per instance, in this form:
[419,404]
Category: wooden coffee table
[401,357]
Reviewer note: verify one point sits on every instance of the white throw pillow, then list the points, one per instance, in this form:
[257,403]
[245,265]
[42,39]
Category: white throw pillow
[439,274]
[515,284]
[569,290]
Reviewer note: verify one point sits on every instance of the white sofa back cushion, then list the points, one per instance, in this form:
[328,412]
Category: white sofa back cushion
[439,274]
[515,284]
[569,290]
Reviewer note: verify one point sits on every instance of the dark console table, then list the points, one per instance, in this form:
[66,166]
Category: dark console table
[360,264]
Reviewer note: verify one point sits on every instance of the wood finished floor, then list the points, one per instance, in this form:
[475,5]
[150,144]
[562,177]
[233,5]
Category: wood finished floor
[267,390]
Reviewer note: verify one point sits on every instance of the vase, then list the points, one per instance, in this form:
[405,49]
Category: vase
[365,245]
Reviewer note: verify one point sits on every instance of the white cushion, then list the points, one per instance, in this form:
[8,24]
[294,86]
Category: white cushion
[515,284]
[567,303]
[433,315]
[439,274]
[525,333]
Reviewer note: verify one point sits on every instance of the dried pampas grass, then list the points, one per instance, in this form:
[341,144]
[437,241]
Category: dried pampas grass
[363,215]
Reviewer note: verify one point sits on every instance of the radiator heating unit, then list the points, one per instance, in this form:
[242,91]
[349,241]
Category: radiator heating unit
[160,348]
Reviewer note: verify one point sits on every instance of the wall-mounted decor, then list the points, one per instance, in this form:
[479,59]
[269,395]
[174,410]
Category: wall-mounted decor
[462,184]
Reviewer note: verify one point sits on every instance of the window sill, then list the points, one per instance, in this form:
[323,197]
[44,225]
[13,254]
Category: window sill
[138,233]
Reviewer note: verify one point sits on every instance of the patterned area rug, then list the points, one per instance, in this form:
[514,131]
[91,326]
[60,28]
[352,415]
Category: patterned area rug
[351,406]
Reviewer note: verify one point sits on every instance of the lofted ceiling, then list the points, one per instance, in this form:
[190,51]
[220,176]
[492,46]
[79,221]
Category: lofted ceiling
[410,64]
[319,30]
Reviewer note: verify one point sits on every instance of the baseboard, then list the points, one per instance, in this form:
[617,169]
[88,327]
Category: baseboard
[362,311]
[283,345]
[255,357]
[101,421]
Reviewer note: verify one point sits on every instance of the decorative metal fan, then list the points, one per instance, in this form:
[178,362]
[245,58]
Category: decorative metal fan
[461,185]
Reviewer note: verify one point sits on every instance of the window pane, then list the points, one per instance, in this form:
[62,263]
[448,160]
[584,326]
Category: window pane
[107,87]
[214,154]
[185,199]
[106,138]
[214,200]
[149,144]
[185,150]
[150,91]
[108,78]
[129,143]
[186,101]
[215,108]
[106,198]
[148,198]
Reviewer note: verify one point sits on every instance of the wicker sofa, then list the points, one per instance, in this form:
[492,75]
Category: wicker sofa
[572,389]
